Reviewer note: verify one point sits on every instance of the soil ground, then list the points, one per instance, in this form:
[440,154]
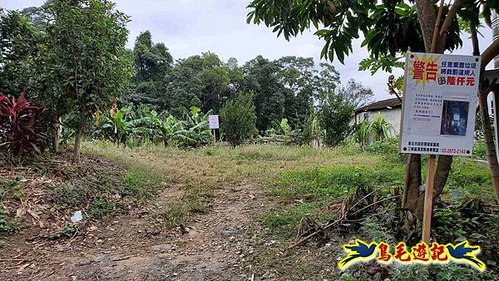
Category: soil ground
[214,246]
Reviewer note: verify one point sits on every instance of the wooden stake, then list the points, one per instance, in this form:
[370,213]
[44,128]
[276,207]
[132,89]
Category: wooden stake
[428,199]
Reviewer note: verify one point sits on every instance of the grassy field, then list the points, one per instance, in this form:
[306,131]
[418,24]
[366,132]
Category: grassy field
[297,183]
[300,182]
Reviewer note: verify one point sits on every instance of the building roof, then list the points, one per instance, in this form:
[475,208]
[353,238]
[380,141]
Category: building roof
[379,105]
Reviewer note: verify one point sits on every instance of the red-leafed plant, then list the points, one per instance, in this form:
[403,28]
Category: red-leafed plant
[20,128]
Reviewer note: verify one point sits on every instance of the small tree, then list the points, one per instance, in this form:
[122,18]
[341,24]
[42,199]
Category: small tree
[334,118]
[86,50]
[238,119]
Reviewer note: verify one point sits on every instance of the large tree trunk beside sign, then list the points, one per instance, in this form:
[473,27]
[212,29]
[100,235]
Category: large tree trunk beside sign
[487,56]
[413,198]
[489,138]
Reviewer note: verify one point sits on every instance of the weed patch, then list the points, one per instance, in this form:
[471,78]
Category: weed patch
[6,226]
[195,200]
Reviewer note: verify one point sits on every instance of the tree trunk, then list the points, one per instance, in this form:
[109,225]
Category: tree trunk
[413,195]
[77,145]
[79,132]
[55,133]
[412,199]
[489,139]
[441,174]
[427,17]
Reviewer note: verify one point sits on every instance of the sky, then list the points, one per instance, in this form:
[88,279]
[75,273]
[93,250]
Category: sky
[190,27]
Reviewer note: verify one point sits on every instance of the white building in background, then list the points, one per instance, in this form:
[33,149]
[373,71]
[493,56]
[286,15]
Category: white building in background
[391,109]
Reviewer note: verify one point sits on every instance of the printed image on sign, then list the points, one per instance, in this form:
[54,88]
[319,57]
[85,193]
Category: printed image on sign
[439,104]
[213,121]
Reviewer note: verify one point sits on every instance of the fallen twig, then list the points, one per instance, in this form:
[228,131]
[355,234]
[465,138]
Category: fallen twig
[374,203]
[306,238]
[122,259]
[13,259]
[342,218]
[358,202]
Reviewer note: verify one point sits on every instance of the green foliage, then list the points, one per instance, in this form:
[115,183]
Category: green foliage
[102,208]
[238,119]
[284,126]
[410,273]
[195,200]
[361,133]
[310,184]
[468,178]
[311,130]
[385,63]
[388,149]
[138,126]
[136,185]
[107,189]
[284,222]
[355,94]
[86,45]
[335,120]
[480,149]
[195,131]
[18,54]
[379,128]
[389,28]
[5,225]
[376,227]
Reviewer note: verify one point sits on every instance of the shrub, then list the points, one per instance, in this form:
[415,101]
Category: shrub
[238,119]
[334,118]
[132,127]
[380,129]
[20,128]
[366,132]
[480,149]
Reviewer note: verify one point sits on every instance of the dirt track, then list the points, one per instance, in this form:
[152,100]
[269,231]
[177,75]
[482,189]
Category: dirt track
[215,246]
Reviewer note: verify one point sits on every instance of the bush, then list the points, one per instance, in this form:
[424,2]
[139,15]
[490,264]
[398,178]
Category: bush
[20,128]
[142,125]
[334,118]
[238,119]
[480,149]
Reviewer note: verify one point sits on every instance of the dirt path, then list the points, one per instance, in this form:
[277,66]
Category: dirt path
[215,246]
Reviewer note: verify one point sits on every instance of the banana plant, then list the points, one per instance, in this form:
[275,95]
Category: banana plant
[134,127]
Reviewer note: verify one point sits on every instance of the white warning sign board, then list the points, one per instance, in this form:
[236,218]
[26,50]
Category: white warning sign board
[439,104]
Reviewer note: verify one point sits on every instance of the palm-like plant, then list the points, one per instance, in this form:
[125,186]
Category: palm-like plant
[379,128]
[362,133]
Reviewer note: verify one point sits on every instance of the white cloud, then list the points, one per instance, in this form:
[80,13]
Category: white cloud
[189,27]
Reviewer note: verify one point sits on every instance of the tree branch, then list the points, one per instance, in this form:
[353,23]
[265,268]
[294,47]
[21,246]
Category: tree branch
[448,22]
[489,54]
[435,37]
[474,41]
[450,17]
